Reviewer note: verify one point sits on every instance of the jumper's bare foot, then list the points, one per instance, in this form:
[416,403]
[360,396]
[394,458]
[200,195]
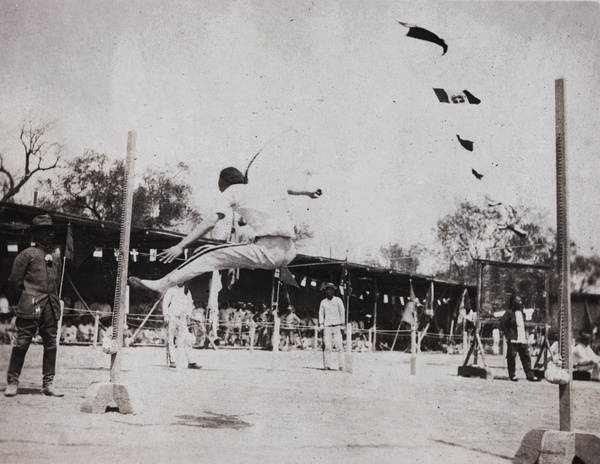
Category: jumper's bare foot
[138,283]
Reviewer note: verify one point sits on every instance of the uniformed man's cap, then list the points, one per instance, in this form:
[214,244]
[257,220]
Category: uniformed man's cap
[42,221]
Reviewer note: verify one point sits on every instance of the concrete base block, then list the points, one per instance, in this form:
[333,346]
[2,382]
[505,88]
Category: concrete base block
[102,395]
[555,447]
[473,371]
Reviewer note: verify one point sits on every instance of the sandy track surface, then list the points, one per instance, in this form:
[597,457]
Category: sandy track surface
[245,407]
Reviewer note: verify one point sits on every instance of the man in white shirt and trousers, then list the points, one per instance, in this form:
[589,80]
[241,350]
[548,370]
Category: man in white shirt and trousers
[332,317]
[177,307]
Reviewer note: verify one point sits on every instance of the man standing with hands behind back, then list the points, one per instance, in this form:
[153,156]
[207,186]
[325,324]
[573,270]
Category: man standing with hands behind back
[35,275]
[513,326]
[332,317]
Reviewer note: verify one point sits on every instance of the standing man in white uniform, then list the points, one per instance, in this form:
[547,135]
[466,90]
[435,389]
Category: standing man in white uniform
[177,307]
[332,317]
[262,207]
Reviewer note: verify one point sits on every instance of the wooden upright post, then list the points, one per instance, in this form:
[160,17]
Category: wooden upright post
[101,395]
[563,257]
[96,327]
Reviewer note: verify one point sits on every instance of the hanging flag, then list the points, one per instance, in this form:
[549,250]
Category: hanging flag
[385,298]
[465,304]
[467,144]
[393,299]
[69,246]
[97,253]
[313,283]
[213,294]
[116,251]
[429,301]
[401,298]
[286,277]
[456,97]
[417,32]
[410,310]
[303,282]
[12,248]
[153,254]
[233,275]
[135,254]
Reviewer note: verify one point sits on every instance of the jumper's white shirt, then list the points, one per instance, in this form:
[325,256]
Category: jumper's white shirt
[263,207]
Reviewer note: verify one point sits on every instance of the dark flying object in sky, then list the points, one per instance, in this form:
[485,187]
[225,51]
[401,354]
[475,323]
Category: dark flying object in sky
[476,174]
[423,34]
[445,96]
[520,232]
[467,144]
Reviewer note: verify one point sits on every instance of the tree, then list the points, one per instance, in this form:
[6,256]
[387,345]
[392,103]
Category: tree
[397,258]
[585,271]
[495,232]
[92,185]
[39,154]
[162,202]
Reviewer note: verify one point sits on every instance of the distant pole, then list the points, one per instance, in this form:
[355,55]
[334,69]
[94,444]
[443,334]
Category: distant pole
[563,257]
[96,327]
[375,316]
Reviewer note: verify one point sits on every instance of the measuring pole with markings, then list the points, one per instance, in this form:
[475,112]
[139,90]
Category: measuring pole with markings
[115,394]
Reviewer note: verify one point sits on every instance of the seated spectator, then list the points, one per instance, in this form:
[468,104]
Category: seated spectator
[4,305]
[290,323]
[85,331]
[5,329]
[584,358]
[69,332]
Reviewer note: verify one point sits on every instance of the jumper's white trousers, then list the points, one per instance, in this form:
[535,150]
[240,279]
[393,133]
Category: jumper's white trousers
[268,252]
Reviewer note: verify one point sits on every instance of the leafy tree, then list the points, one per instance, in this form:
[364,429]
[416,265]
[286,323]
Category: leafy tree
[92,185]
[39,154]
[397,258]
[495,232]
[163,202]
[585,271]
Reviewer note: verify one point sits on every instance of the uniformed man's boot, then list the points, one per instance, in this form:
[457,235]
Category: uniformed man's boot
[48,371]
[15,365]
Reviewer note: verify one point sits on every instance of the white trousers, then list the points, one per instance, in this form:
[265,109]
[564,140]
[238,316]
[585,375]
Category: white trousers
[333,336]
[178,328]
[264,253]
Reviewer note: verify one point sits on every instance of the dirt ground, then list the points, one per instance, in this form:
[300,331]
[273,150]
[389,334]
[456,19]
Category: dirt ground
[246,407]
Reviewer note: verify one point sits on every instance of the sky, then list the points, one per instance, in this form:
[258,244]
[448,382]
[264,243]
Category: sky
[333,92]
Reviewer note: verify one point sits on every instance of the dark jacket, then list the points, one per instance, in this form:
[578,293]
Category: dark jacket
[508,325]
[37,282]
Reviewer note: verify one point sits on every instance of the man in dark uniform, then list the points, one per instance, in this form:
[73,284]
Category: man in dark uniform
[35,274]
[512,325]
